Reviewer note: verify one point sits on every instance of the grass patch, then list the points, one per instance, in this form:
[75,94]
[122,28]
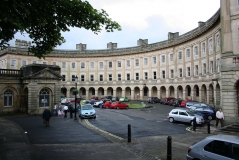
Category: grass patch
[135,106]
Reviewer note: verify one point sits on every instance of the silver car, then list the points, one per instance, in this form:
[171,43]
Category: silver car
[86,111]
[184,115]
[217,147]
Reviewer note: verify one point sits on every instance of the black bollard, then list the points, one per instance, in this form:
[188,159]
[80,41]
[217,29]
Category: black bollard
[129,133]
[194,124]
[169,148]
[208,126]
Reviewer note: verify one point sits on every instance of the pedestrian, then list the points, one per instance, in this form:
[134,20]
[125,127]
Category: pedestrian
[101,105]
[219,117]
[55,110]
[46,116]
[65,111]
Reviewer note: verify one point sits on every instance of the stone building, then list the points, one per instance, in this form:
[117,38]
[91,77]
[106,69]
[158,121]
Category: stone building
[201,65]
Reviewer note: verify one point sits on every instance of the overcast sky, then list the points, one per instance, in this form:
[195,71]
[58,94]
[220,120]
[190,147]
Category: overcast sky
[140,19]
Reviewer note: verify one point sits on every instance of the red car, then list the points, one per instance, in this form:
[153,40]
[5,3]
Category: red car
[119,105]
[183,103]
[107,104]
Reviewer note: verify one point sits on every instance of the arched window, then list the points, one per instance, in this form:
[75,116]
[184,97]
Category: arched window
[8,98]
[44,98]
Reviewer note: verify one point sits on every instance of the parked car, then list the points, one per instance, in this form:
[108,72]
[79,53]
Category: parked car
[207,112]
[166,100]
[124,99]
[184,115]
[171,101]
[93,101]
[108,97]
[154,100]
[97,103]
[190,103]
[85,101]
[94,98]
[107,104]
[177,102]
[119,105]
[162,100]
[71,106]
[87,111]
[216,147]
[115,99]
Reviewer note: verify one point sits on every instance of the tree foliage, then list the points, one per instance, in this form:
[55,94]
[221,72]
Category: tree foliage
[44,20]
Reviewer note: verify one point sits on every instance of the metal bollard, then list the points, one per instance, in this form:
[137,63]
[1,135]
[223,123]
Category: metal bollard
[169,148]
[194,124]
[129,133]
[208,127]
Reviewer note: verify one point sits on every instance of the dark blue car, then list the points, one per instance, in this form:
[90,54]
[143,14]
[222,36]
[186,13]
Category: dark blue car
[207,112]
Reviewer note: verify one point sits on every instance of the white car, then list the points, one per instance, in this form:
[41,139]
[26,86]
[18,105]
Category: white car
[97,104]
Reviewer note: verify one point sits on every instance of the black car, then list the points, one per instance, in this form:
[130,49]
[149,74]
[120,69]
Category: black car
[177,102]
[115,99]
[154,100]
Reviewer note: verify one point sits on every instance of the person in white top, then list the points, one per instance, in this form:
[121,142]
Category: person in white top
[65,111]
[219,117]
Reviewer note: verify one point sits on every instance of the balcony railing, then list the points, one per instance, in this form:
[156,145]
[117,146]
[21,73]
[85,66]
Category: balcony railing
[10,72]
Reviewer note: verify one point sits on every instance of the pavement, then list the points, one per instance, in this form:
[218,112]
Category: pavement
[17,144]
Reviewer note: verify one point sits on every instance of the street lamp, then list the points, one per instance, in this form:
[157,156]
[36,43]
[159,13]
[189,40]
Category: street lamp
[76,80]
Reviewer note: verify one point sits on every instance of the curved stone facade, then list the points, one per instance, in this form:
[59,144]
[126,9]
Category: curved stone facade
[198,65]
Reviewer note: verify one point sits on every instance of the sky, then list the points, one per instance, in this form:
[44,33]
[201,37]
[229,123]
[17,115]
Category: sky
[139,19]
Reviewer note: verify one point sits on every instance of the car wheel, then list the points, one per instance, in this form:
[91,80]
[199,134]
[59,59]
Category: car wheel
[209,118]
[117,108]
[107,107]
[171,120]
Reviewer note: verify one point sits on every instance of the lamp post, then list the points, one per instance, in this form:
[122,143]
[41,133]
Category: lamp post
[76,80]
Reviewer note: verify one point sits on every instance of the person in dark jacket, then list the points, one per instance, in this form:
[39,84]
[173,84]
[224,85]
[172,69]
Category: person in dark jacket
[46,115]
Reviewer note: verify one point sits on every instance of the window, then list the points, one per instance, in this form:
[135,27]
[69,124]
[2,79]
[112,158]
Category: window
[73,65]
[171,57]
[44,98]
[73,78]
[171,73]
[91,78]
[82,78]
[8,98]
[196,70]
[110,64]
[110,77]
[163,74]
[188,70]
[154,60]
[180,72]
[63,77]
[119,63]
[128,63]
[219,148]
[145,75]
[180,55]
[196,50]
[24,63]
[92,65]
[82,64]
[128,76]
[101,65]
[137,76]
[204,48]
[101,77]
[145,61]
[218,40]
[34,62]
[210,44]
[13,63]
[63,64]
[211,66]
[54,63]
[218,65]
[188,53]
[204,68]
[119,77]
[137,62]
[163,58]
[44,63]
[154,75]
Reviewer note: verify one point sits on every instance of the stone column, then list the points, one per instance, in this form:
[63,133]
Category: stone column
[132,95]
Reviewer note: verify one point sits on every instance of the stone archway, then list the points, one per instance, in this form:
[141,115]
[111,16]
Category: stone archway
[128,92]
[119,92]
[211,95]
[101,93]
[154,91]
[196,93]
[171,92]
[136,93]
[91,92]
[63,91]
[110,92]
[162,92]
[180,92]
[188,92]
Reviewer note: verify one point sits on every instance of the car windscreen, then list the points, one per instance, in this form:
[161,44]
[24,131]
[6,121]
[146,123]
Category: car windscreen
[86,107]
[191,113]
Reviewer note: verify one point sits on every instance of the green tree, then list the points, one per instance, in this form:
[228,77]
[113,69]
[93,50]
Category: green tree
[44,20]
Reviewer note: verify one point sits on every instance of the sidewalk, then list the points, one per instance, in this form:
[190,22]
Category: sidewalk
[14,145]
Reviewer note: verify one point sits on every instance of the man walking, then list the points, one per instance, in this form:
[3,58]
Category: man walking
[65,111]
[219,117]
[46,116]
